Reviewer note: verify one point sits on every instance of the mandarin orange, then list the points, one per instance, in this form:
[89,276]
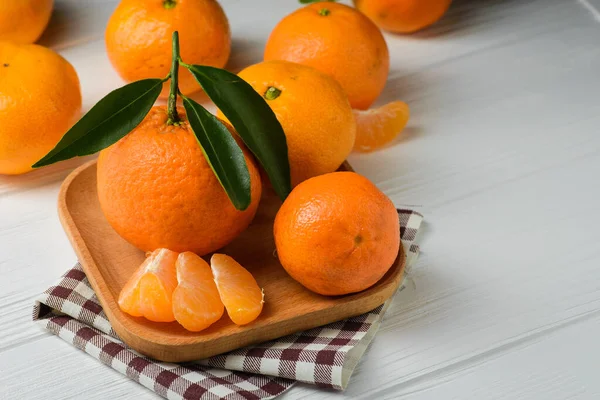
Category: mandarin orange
[37,104]
[313,111]
[156,189]
[337,233]
[337,40]
[138,38]
[24,21]
[403,16]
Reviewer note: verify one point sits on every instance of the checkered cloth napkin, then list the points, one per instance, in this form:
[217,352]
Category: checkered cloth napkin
[324,356]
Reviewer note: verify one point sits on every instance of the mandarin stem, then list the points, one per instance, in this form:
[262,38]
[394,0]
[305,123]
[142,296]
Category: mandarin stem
[172,102]
[272,93]
[168,4]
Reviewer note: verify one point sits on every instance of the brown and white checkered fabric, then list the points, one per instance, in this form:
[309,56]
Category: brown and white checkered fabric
[324,356]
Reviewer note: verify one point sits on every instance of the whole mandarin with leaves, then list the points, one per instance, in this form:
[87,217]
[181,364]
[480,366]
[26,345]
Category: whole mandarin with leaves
[337,233]
[156,189]
[24,21]
[313,111]
[337,40]
[40,98]
[138,38]
[403,16]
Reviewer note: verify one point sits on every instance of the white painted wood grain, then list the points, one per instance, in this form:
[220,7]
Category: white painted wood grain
[52,369]
[540,368]
[502,155]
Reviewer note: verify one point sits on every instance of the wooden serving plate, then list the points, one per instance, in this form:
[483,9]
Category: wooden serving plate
[108,261]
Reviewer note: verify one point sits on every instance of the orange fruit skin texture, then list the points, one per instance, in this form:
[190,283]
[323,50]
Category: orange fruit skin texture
[337,233]
[148,293]
[344,44]
[24,21]
[403,16]
[379,126]
[196,301]
[238,289]
[138,39]
[40,98]
[313,111]
[156,189]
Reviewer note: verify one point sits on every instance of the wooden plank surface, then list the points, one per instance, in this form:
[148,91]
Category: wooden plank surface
[502,156]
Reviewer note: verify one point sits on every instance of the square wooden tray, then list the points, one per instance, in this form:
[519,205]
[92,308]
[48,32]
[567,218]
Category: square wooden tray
[108,261]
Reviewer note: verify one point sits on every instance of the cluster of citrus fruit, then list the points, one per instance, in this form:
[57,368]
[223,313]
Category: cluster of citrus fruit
[182,179]
[343,44]
[182,287]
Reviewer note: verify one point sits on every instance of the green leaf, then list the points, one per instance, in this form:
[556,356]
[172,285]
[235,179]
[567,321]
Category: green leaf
[113,117]
[252,118]
[222,153]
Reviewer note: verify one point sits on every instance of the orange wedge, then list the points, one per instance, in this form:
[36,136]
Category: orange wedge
[148,293]
[196,301]
[238,289]
[379,126]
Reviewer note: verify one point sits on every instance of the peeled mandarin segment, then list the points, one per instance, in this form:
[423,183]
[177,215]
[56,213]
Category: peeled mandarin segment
[238,289]
[196,301]
[155,299]
[378,126]
[129,298]
[149,291]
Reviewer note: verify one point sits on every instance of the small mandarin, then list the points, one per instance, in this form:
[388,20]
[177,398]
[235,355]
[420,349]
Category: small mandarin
[24,21]
[339,41]
[313,111]
[337,233]
[138,38]
[37,105]
[403,16]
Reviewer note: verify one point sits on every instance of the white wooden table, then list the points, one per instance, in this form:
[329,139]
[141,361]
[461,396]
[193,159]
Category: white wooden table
[502,155]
